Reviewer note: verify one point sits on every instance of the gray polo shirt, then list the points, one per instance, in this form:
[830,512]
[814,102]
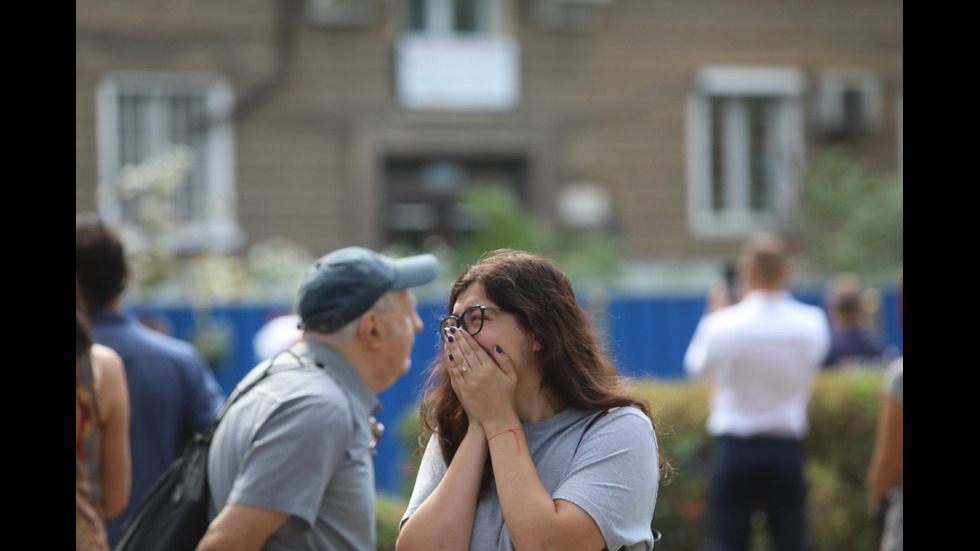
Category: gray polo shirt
[299,442]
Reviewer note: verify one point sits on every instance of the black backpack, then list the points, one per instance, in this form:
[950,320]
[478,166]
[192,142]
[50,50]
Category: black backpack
[173,515]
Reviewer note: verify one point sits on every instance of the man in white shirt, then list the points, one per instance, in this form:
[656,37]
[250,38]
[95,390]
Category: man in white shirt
[762,354]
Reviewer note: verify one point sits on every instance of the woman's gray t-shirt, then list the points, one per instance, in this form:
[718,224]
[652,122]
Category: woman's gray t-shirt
[613,475]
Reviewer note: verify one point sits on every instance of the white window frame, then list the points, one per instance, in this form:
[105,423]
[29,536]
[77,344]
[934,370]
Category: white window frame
[439,17]
[441,67]
[783,90]
[216,229]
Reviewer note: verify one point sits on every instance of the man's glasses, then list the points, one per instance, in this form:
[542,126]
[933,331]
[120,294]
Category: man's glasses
[470,321]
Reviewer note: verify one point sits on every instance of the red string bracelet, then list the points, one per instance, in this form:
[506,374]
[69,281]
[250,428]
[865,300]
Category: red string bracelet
[518,438]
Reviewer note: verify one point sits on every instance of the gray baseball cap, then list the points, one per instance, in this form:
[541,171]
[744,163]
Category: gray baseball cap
[344,284]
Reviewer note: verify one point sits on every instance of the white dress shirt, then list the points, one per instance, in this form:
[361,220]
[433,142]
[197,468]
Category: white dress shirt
[762,354]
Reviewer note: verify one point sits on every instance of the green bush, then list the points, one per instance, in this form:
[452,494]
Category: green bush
[850,220]
[843,416]
[390,510]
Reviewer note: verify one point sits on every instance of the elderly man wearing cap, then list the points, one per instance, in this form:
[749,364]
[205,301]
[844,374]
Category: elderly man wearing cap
[291,464]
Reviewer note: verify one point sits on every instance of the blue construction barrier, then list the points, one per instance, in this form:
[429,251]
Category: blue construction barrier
[647,335]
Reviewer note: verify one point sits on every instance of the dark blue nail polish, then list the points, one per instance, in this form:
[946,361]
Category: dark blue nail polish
[452,330]
[450,357]
[450,337]
[499,351]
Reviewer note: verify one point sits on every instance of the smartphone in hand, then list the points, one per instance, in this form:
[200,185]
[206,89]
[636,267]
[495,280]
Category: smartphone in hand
[731,281]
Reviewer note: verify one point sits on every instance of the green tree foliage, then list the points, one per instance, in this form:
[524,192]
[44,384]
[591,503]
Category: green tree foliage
[501,220]
[271,270]
[851,220]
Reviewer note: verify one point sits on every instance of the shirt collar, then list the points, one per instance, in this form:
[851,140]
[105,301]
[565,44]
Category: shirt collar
[343,372]
[110,317]
[761,295]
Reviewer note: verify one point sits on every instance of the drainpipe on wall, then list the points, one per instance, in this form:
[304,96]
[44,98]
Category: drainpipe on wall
[288,18]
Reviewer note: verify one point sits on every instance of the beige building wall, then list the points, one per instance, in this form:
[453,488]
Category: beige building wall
[605,105]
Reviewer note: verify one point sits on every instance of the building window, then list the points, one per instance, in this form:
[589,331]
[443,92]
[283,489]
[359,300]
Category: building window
[451,16]
[423,195]
[745,148]
[168,128]
[453,55]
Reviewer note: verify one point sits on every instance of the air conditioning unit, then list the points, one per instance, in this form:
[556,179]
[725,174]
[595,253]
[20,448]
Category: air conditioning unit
[847,102]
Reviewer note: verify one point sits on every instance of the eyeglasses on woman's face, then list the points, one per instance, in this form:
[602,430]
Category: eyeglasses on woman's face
[471,320]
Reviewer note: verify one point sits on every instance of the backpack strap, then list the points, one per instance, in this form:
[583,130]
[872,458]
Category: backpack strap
[239,391]
[595,418]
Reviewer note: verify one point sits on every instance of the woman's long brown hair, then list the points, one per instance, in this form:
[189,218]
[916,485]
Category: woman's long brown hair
[573,364]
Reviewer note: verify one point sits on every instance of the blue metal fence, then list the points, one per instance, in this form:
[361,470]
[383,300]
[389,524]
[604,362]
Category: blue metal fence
[647,335]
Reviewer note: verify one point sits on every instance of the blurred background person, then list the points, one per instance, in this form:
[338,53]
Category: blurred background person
[277,334]
[762,355]
[102,463]
[172,391]
[853,341]
[887,467]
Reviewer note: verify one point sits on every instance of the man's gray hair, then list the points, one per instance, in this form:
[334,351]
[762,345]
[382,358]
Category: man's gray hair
[383,306]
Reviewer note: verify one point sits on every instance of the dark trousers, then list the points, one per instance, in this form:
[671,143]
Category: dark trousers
[753,473]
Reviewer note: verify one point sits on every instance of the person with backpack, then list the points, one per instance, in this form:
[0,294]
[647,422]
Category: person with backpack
[173,392]
[291,462]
